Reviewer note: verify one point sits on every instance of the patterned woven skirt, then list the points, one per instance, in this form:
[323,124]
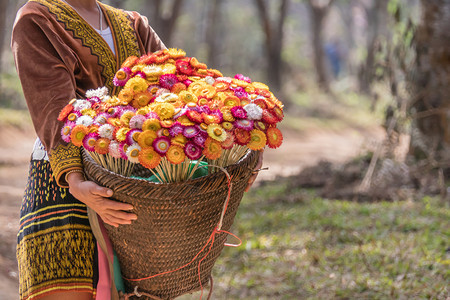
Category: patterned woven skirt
[56,250]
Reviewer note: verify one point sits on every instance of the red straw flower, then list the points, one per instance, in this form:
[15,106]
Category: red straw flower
[65,112]
[274,137]
[242,136]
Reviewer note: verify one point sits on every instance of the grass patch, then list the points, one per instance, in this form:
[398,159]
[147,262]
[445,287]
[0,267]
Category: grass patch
[312,248]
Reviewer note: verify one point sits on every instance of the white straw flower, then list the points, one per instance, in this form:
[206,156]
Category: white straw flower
[167,97]
[106,131]
[225,79]
[210,80]
[137,121]
[115,149]
[133,153]
[100,92]
[85,120]
[81,104]
[254,112]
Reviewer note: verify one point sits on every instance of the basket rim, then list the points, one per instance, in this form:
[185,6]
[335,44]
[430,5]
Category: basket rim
[239,163]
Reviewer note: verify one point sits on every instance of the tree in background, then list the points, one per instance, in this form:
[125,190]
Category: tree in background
[163,20]
[213,24]
[418,69]
[430,86]
[274,34]
[375,16]
[319,10]
[3,10]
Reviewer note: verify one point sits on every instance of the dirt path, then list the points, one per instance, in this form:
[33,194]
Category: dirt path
[297,151]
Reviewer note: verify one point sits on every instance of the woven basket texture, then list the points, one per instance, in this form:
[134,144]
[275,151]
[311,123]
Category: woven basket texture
[175,221]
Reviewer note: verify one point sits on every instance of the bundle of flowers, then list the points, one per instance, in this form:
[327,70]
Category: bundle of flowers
[170,110]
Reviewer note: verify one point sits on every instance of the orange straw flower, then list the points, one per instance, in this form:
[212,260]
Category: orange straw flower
[149,158]
[212,149]
[175,154]
[77,135]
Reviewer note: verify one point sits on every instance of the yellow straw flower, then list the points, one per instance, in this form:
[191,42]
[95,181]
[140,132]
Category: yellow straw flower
[260,85]
[217,132]
[207,91]
[151,124]
[176,53]
[240,83]
[215,73]
[126,95]
[121,134]
[258,140]
[179,140]
[196,85]
[146,138]
[143,111]
[169,69]
[188,97]
[231,101]
[152,71]
[136,84]
[184,120]
[137,68]
[227,125]
[164,110]
[126,117]
[227,115]
[89,112]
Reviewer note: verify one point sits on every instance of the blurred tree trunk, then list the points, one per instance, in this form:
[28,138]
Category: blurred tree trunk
[430,83]
[274,35]
[366,71]
[345,9]
[211,32]
[3,28]
[319,11]
[163,24]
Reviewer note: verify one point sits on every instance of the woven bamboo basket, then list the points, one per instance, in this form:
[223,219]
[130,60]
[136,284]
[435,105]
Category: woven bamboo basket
[174,223]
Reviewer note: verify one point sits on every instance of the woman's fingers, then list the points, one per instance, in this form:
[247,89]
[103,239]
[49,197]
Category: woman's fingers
[112,217]
[116,210]
[118,214]
[107,220]
[101,191]
[115,205]
[116,218]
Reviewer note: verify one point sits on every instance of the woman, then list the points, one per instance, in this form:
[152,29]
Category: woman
[62,48]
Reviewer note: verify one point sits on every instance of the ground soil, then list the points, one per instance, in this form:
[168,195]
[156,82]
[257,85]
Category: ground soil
[298,151]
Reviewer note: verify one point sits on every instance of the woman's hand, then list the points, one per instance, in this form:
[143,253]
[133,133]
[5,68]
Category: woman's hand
[256,171]
[93,195]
